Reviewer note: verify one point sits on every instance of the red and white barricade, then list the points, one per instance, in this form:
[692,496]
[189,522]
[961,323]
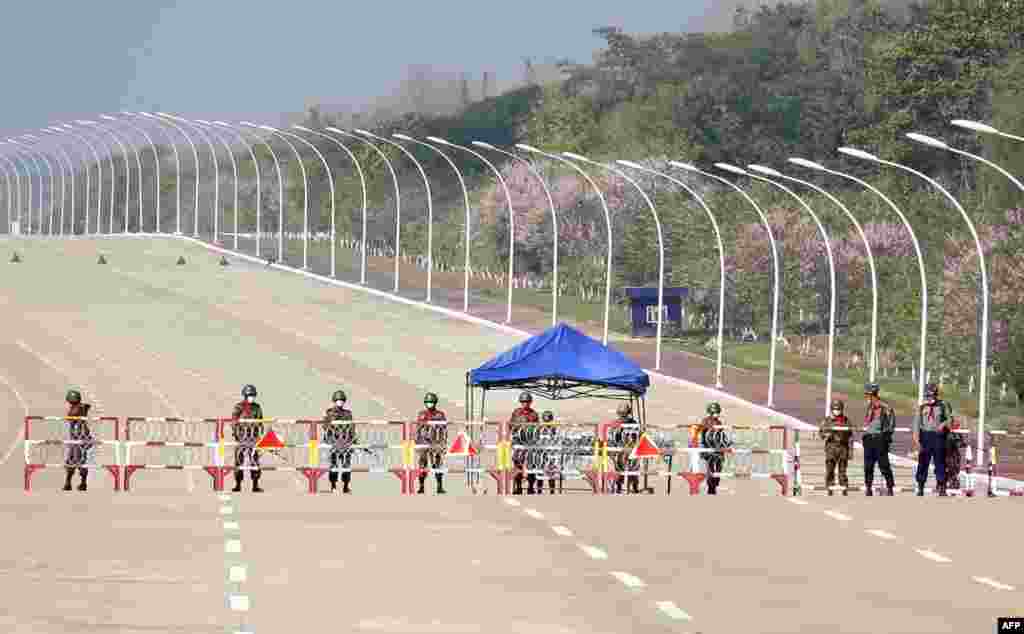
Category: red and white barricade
[376,446]
[71,442]
[171,443]
[745,452]
[269,444]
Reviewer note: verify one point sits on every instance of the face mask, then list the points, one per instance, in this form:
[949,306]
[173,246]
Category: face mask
[250,399]
[836,412]
[339,403]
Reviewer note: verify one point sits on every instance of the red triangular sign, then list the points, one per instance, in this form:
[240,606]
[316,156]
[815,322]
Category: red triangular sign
[645,449]
[461,447]
[270,441]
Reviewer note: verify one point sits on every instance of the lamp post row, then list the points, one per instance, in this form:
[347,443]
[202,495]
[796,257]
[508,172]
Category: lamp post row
[30,146]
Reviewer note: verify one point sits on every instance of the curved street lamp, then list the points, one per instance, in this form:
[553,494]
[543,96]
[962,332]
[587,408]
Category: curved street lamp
[362,182]
[939,144]
[330,181]
[68,130]
[177,172]
[195,158]
[105,146]
[872,365]
[608,224]
[127,184]
[983,128]
[63,183]
[215,212]
[398,198]
[127,121]
[28,179]
[465,198]
[280,194]
[17,191]
[67,166]
[113,183]
[256,163]
[305,192]
[775,268]
[209,127]
[917,250]
[554,223]
[32,153]
[721,259]
[831,270]
[430,208]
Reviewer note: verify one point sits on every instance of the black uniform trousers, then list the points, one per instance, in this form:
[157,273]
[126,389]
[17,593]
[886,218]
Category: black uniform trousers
[933,449]
[876,451]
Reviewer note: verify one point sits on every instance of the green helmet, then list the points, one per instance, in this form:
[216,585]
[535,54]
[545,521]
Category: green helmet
[871,389]
[339,395]
[714,409]
[547,416]
[430,399]
[525,397]
[624,409]
[248,390]
[74,397]
[837,405]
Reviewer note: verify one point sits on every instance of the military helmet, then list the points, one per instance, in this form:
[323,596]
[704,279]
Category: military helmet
[931,390]
[548,416]
[525,397]
[430,399]
[871,389]
[714,408]
[837,405]
[73,396]
[339,395]
[624,409]
[248,390]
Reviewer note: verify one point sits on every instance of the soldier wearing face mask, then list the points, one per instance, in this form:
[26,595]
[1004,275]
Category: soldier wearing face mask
[341,437]
[838,446]
[931,427]
[247,434]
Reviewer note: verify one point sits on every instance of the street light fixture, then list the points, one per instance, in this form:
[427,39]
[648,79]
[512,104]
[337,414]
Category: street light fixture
[941,145]
[984,129]
[259,187]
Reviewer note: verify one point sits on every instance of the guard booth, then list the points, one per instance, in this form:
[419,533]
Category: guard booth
[643,304]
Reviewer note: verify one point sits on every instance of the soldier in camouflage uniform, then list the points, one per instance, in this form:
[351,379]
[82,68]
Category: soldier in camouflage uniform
[955,443]
[716,439]
[931,427]
[247,435]
[626,436]
[436,436]
[838,446]
[549,440]
[523,428]
[78,431]
[879,425]
[341,437]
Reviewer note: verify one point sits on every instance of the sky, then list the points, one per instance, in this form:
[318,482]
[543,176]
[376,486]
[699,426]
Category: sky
[258,59]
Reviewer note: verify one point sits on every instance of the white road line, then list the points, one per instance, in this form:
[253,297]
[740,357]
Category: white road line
[535,514]
[18,435]
[561,530]
[593,553]
[672,611]
[837,515]
[992,582]
[226,510]
[927,554]
[512,501]
[231,526]
[628,580]
[880,533]
[233,546]
[224,497]
[237,574]
[239,602]
[797,501]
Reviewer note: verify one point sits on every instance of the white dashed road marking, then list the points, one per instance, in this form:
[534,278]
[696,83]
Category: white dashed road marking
[233,546]
[593,553]
[224,498]
[537,515]
[231,526]
[226,510]
[992,582]
[837,515]
[511,502]
[797,501]
[927,554]
[880,533]
[239,602]
[237,574]
[628,580]
[561,530]
[672,611]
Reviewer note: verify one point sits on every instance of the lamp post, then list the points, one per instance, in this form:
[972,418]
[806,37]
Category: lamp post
[872,365]
[775,268]
[216,176]
[661,246]
[156,162]
[32,153]
[430,209]
[63,184]
[177,174]
[256,163]
[917,250]
[195,158]
[8,192]
[721,258]
[28,179]
[983,378]
[398,198]
[983,128]
[936,143]
[127,186]
[305,195]
[362,182]
[209,127]
[69,165]
[465,198]
[104,146]
[67,129]
[831,270]
[17,191]
[554,223]
[127,172]
[280,196]
[607,220]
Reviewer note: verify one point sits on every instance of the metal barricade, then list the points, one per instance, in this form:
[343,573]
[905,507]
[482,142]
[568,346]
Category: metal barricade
[172,443]
[242,438]
[72,442]
[374,446]
[553,454]
[740,452]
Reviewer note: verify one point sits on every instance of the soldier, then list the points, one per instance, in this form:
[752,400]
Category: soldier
[436,436]
[341,437]
[627,435]
[838,446]
[247,435]
[79,432]
[549,440]
[879,425]
[716,439]
[931,425]
[523,432]
[955,443]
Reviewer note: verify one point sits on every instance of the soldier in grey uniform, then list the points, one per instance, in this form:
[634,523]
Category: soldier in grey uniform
[341,437]
[879,426]
[931,425]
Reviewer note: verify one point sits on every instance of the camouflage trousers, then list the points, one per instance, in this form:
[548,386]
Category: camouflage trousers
[341,462]
[836,460]
[247,455]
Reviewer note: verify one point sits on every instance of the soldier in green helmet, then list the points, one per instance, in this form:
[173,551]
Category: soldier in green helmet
[549,442]
[838,445]
[247,430]
[879,425]
[625,438]
[341,436]
[81,437]
[521,424]
[715,439]
[435,437]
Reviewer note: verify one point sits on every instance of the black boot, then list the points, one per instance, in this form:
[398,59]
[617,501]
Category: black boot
[942,490]
[869,490]
[423,478]
[67,482]
[256,485]
[81,485]
[238,482]
[333,478]
[830,491]
[440,483]
[920,489]
[346,480]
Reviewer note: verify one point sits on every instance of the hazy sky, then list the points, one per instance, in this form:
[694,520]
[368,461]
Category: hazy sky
[255,59]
